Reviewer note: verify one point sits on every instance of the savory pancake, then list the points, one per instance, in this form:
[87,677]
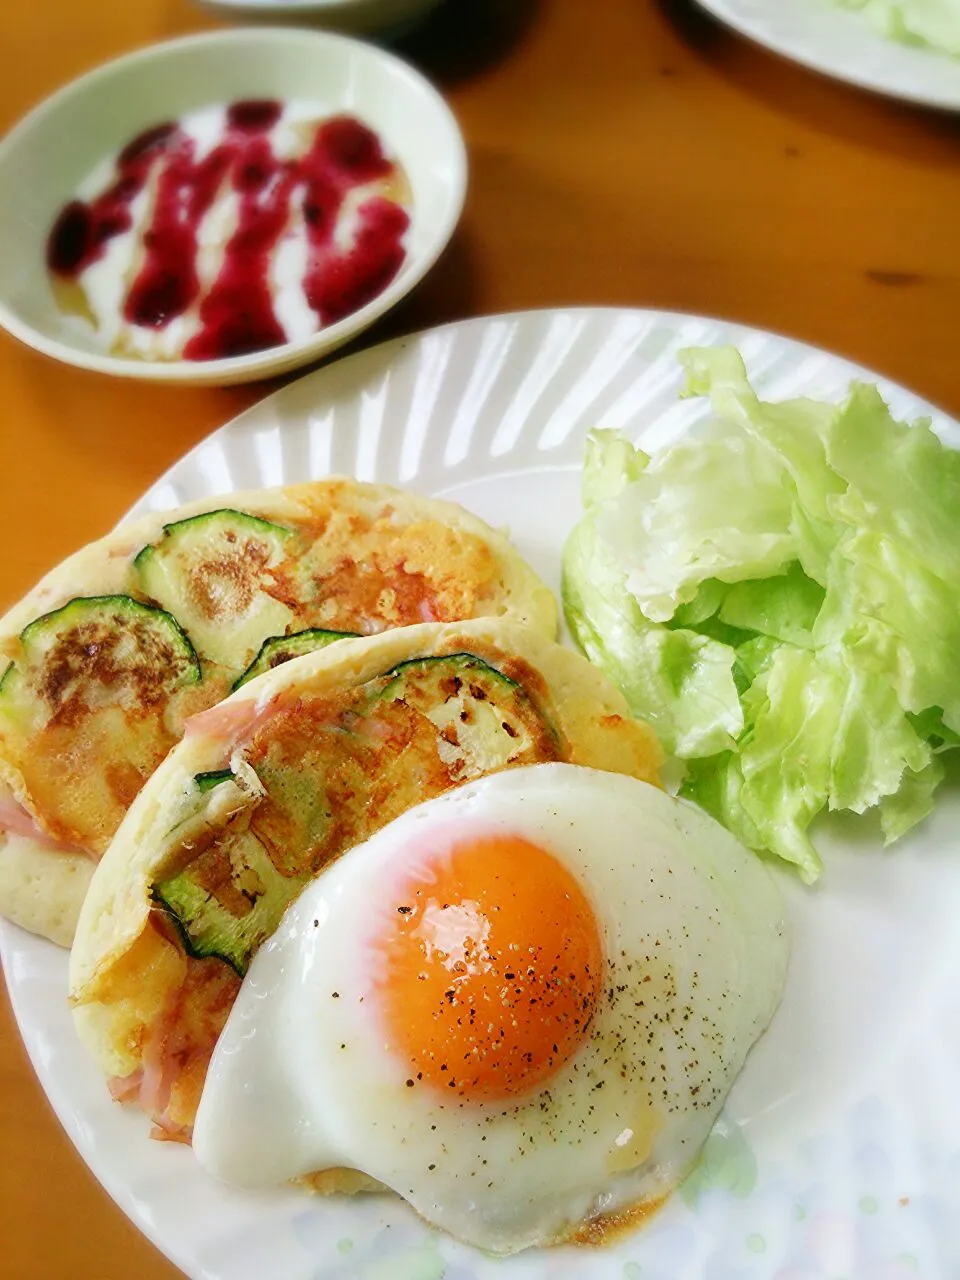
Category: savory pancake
[103,663]
[271,786]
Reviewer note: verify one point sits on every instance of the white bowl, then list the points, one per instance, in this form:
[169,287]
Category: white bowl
[49,153]
[360,17]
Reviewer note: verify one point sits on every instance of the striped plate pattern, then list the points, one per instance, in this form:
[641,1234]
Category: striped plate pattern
[842,43]
[839,1151]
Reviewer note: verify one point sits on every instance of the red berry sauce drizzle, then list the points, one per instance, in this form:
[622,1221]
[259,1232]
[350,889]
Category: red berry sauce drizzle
[237,314]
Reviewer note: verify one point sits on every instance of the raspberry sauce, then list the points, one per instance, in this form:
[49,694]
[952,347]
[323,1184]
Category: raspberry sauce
[236,311]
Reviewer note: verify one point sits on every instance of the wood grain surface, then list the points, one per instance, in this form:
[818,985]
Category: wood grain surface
[627,152]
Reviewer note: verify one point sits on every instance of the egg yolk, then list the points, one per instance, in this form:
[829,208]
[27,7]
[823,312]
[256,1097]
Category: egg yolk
[493,965]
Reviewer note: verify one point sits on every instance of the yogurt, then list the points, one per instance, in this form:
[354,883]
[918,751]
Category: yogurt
[235,229]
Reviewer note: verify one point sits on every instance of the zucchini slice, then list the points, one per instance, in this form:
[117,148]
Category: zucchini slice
[136,653]
[484,719]
[428,673]
[280,649]
[336,769]
[85,710]
[228,901]
[213,778]
[213,572]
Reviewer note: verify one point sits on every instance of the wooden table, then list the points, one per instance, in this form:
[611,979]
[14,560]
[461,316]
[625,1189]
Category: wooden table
[624,152]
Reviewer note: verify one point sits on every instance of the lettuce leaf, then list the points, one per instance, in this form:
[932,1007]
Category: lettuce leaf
[681,501]
[679,681]
[911,803]
[784,607]
[777,594]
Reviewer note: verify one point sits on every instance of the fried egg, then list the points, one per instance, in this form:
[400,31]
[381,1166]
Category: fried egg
[519,1006]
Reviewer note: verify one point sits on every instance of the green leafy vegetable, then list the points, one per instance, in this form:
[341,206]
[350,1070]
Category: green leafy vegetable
[680,681]
[776,594]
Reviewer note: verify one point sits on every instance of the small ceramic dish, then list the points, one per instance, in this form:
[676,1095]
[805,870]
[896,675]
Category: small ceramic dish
[53,150]
[358,17]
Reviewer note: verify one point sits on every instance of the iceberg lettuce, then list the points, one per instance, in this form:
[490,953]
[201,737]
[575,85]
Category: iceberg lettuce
[680,681]
[776,593]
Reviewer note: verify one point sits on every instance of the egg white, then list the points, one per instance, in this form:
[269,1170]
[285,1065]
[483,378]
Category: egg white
[693,935]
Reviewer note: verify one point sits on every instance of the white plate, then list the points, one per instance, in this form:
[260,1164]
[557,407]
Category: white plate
[842,43]
[45,158]
[840,1152]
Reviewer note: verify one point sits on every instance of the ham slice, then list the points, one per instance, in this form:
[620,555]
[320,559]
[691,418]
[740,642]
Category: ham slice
[151,1084]
[164,1130]
[125,1088]
[13,817]
[154,1080]
[155,1076]
[231,722]
[148,1085]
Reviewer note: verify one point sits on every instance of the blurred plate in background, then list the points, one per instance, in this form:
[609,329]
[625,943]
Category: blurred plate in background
[842,43]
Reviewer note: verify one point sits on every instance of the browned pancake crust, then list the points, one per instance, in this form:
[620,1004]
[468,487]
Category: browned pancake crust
[124,974]
[361,558]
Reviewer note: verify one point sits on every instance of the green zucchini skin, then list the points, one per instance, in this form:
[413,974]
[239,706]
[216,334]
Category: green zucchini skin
[213,572]
[126,608]
[89,707]
[121,612]
[213,778]
[208,927]
[493,717]
[212,521]
[276,650]
[461,664]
